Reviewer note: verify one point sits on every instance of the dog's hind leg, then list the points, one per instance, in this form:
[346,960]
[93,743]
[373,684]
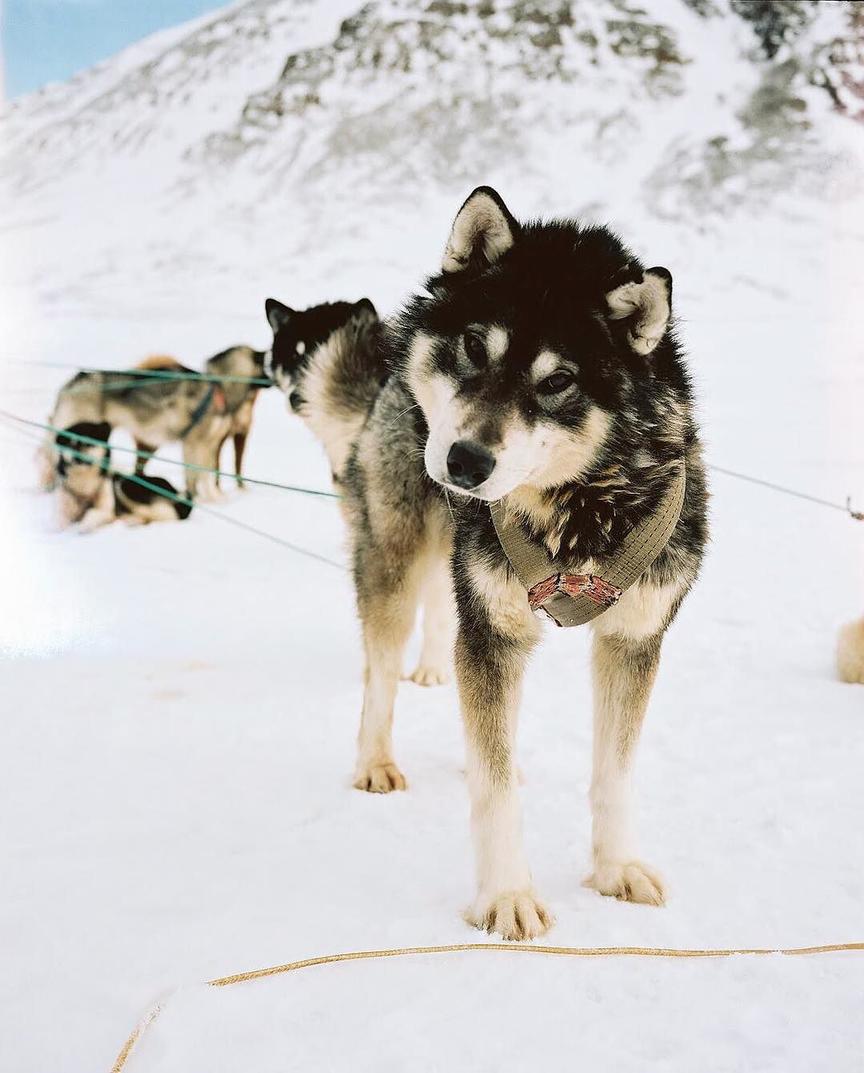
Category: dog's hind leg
[439,620]
[496,633]
[624,670]
[239,449]
[387,573]
[198,455]
[217,462]
[388,582]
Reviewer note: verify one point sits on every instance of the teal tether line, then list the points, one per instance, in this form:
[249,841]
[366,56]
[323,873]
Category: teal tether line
[175,497]
[846,508]
[168,461]
[136,375]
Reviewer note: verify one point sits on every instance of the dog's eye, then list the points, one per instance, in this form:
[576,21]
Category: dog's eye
[556,383]
[475,349]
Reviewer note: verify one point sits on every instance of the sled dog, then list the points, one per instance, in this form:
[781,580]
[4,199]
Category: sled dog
[90,496]
[329,362]
[201,414]
[537,398]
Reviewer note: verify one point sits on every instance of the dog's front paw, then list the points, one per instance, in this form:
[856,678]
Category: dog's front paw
[515,915]
[428,675]
[379,778]
[93,520]
[629,881]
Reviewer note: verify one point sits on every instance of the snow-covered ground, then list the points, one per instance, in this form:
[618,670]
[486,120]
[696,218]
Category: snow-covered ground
[181,701]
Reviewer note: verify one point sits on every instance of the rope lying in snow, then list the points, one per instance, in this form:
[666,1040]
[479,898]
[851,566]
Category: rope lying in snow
[563,951]
[168,461]
[120,1061]
[510,948]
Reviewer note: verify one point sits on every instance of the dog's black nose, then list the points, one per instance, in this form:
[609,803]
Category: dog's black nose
[469,464]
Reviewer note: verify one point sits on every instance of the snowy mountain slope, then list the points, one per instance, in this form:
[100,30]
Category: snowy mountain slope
[273,128]
[195,70]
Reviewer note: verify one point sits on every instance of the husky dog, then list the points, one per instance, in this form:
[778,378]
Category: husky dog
[236,401]
[200,413]
[156,363]
[91,496]
[539,377]
[240,396]
[329,362]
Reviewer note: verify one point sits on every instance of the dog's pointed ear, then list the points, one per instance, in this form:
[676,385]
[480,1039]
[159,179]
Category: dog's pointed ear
[278,314]
[364,311]
[645,299]
[103,431]
[483,231]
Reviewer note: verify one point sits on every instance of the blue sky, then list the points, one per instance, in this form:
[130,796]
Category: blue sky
[49,40]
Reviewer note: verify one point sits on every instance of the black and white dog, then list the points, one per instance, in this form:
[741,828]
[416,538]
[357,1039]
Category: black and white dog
[328,361]
[90,495]
[537,380]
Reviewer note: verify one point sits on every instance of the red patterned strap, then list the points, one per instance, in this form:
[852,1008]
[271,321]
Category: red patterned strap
[595,588]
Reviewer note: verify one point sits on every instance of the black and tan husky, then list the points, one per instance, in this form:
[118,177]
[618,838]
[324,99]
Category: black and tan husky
[539,372]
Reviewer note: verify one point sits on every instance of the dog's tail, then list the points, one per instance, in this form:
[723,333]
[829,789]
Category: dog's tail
[343,379]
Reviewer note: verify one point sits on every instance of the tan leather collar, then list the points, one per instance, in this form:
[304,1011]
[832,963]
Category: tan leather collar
[571,599]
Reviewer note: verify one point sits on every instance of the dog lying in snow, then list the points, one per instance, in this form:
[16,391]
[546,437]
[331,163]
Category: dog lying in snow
[90,496]
[537,396]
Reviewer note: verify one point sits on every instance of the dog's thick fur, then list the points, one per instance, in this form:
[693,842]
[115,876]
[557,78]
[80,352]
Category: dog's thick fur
[90,496]
[156,412]
[539,369]
[329,362]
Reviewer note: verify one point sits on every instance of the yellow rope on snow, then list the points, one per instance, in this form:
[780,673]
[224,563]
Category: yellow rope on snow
[510,948]
[133,1039]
